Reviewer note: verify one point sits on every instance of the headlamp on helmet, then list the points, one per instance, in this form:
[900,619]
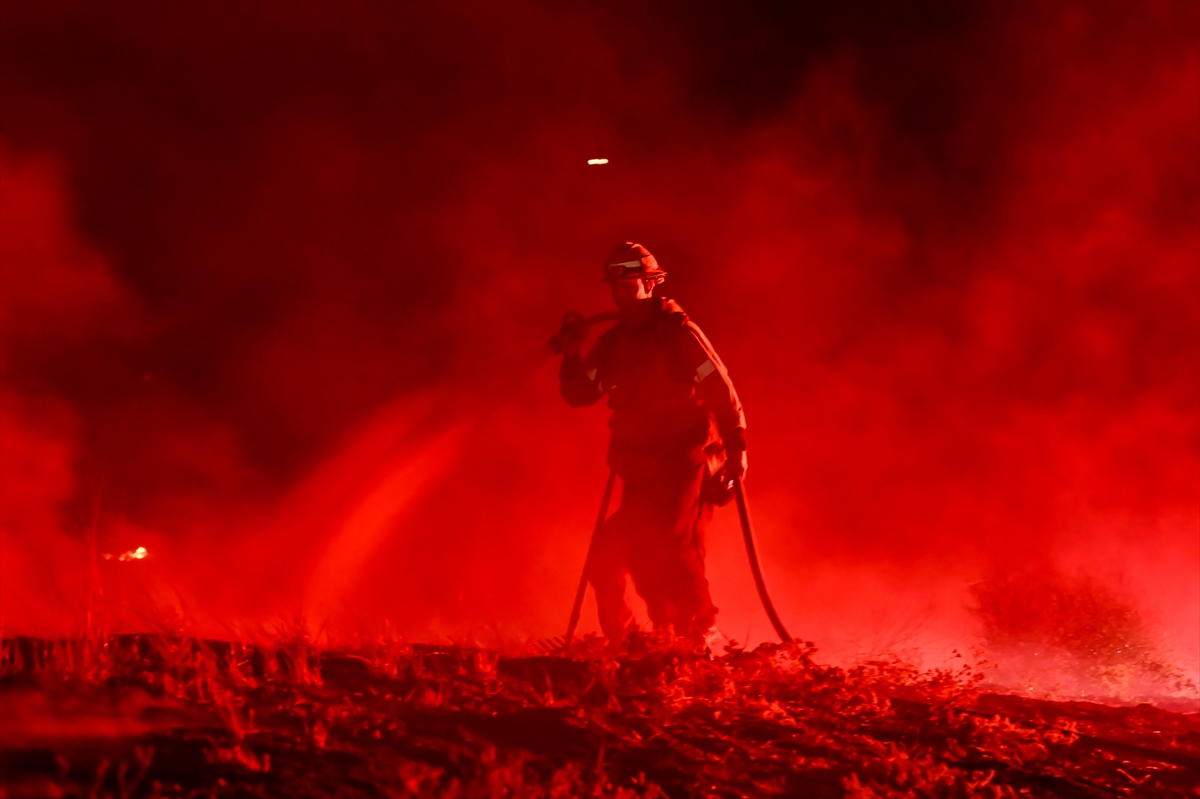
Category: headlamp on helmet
[629,261]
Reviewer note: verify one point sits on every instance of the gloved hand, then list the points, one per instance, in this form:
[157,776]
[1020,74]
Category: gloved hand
[572,335]
[735,456]
[735,466]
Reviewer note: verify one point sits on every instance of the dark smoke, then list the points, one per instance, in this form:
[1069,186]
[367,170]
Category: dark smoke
[277,279]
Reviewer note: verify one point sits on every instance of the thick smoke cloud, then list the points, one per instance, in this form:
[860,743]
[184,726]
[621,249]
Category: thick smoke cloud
[277,284]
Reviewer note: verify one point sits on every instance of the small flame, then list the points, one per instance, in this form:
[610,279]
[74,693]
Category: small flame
[595,161]
[134,554]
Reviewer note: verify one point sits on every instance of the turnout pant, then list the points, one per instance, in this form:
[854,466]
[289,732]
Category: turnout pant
[656,537]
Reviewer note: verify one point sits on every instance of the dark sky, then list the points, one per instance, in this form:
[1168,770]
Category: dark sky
[278,277]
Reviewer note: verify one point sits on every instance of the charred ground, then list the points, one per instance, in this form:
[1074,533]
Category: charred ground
[154,715]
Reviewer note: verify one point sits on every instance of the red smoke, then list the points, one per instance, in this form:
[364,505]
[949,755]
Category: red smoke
[277,285]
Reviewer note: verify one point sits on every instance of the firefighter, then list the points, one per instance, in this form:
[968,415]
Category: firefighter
[678,440]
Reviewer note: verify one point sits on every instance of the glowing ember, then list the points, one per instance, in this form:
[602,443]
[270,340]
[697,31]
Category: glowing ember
[596,161]
[134,554]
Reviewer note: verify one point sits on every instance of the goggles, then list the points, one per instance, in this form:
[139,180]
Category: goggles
[633,269]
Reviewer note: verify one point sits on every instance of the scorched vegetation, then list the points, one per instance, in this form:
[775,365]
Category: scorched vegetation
[158,716]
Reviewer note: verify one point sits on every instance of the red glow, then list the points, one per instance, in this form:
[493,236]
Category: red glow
[275,302]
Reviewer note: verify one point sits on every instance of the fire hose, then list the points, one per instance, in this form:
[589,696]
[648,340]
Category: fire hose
[583,579]
[751,553]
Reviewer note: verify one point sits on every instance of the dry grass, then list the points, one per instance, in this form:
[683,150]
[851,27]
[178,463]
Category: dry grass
[155,715]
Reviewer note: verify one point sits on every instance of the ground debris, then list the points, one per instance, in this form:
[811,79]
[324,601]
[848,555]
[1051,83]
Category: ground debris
[157,716]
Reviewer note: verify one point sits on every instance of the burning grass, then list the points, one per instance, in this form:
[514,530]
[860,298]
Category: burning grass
[150,715]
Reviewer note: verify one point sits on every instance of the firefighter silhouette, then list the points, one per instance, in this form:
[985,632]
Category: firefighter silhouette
[677,443]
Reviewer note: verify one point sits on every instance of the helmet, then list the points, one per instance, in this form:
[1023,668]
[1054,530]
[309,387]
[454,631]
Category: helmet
[630,260]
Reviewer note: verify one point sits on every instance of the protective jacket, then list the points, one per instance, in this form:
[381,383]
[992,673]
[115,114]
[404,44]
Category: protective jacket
[674,414]
[663,380]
